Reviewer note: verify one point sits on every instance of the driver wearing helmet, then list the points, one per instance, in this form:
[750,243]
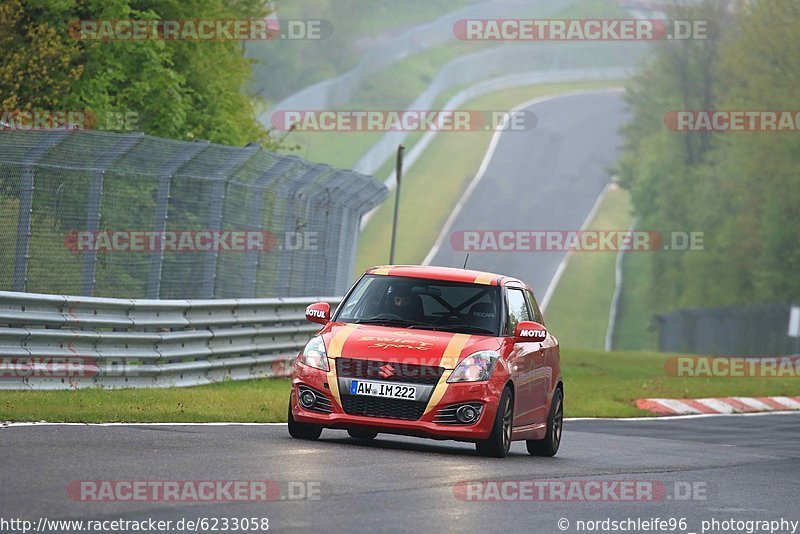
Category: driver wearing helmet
[404,303]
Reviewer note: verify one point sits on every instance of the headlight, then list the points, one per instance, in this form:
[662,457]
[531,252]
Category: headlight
[475,367]
[314,354]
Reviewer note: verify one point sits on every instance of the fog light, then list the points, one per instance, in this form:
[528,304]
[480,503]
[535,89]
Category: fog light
[308,399]
[467,414]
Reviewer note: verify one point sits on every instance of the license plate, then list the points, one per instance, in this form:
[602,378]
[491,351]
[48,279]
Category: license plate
[382,389]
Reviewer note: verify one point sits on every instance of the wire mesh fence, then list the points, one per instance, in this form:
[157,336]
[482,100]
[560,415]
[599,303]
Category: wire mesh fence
[134,216]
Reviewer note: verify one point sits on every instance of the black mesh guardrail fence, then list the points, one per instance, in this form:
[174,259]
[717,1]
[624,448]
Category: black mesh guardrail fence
[135,216]
[752,330]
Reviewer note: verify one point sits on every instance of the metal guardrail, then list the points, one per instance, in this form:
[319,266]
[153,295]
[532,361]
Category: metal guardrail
[64,342]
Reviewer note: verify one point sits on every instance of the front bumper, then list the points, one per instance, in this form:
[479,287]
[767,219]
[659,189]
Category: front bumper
[485,393]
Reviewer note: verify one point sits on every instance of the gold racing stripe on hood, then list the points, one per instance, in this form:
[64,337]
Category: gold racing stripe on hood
[335,351]
[449,360]
[438,393]
[453,350]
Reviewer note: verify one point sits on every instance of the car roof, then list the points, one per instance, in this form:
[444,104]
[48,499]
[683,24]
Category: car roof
[450,274]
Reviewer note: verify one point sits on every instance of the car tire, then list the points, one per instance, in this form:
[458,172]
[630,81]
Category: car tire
[362,434]
[302,430]
[499,442]
[555,424]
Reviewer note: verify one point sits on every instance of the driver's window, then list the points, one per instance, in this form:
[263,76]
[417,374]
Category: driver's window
[517,310]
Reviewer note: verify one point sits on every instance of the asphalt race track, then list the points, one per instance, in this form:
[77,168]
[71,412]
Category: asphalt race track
[740,467]
[546,178]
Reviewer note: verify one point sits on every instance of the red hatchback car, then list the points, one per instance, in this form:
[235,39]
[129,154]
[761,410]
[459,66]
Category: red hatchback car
[433,352]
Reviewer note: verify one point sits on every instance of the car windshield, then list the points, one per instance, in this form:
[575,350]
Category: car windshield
[423,304]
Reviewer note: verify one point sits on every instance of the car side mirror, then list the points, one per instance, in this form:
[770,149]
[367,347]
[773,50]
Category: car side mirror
[319,312]
[530,331]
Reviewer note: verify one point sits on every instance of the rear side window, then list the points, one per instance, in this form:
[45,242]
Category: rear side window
[517,310]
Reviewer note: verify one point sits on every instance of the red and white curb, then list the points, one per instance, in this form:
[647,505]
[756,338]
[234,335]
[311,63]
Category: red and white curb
[721,405]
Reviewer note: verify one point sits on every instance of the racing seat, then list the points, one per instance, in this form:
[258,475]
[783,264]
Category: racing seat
[483,315]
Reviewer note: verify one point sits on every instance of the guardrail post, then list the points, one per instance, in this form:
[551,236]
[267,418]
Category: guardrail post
[162,212]
[255,217]
[93,215]
[26,188]
[218,194]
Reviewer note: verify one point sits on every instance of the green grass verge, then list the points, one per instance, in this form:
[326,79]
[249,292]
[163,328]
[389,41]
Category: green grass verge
[597,384]
[579,308]
[635,329]
[606,384]
[435,183]
[578,311]
[240,401]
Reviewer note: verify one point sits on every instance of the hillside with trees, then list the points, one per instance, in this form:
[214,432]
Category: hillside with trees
[741,189]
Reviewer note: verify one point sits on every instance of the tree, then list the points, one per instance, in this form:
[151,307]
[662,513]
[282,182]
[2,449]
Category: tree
[177,89]
[740,189]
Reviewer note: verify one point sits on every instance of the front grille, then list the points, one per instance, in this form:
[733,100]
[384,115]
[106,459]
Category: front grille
[379,407]
[371,370]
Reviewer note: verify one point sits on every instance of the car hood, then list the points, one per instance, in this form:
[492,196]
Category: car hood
[403,345]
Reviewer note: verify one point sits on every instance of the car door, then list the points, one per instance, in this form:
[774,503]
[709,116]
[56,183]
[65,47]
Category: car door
[546,363]
[524,361]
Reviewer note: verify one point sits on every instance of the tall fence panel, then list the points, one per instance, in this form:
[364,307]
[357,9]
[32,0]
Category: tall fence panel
[134,216]
[752,330]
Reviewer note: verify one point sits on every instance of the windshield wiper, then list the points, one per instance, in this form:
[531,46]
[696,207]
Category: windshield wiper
[408,323]
[389,322]
[463,328]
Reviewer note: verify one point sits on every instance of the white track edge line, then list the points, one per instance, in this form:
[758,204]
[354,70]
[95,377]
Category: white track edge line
[609,419]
